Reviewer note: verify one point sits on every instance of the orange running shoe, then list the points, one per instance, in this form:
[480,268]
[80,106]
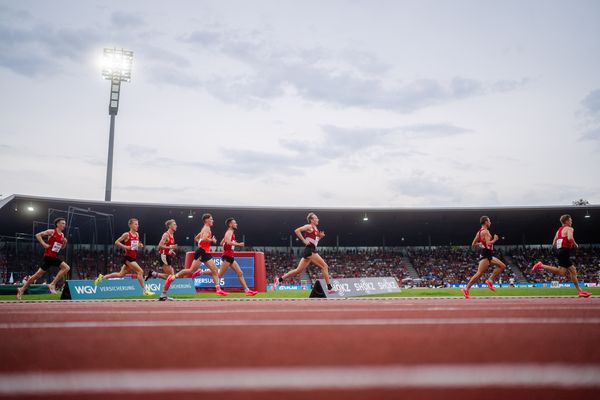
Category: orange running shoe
[465,292]
[221,292]
[490,285]
[584,294]
[538,265]
[251,292]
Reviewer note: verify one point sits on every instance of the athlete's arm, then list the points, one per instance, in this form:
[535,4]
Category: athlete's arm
[571,236]
[227,239]
[64,243]
[494,240]
[298,232]
[39,235]
[163,240]
[122,238]
[203,237]
[475,240]
[555,239]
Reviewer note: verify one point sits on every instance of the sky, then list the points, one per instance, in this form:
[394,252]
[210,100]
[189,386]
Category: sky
[305,103]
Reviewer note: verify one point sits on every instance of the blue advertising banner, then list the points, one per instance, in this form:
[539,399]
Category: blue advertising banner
[121,288]
[230,279]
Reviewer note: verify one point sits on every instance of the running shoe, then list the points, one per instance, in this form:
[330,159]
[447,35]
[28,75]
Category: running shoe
[99,279]
[331,291]
[538,265]
[465,292]
[165,298]
[52,288]
[221,292]
[19,294]
[251,292]
[148,293]
[490,285]
[196,273]
[584,294]
[149,276]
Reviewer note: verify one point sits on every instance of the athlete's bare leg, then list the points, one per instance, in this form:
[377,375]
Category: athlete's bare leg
[500,266]
[236,267]
[120,274]
[573,276]
[38,274]
[62,270]
[298,270]
[483,266]
[555,270]
[316,259]
[212,270]
[138,271]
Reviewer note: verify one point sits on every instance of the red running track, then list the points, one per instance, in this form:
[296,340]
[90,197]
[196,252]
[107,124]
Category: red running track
[268,349]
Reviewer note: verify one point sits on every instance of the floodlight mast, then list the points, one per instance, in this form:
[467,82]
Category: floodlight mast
[117,69]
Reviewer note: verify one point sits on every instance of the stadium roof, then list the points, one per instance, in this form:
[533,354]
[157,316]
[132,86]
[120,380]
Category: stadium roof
[272,226]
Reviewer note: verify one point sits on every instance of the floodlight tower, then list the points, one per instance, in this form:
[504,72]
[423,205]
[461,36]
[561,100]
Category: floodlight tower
[117,69]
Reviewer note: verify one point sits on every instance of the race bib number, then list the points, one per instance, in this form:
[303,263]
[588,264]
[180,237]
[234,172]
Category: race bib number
[559,243]
[134,244]
[56,247]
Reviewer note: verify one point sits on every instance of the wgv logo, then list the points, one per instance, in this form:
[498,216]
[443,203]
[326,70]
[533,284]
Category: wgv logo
[85,289]
[154,287]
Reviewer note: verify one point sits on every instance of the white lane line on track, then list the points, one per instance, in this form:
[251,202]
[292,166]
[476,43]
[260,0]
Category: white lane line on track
[300,322]
[122,310]
[289,379]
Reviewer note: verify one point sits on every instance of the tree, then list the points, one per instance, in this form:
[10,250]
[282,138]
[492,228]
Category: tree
[581,202]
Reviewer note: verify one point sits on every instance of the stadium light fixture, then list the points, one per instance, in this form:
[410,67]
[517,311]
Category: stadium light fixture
[191,215]
[30,208]
[587,215]
[116,68]
[365,217]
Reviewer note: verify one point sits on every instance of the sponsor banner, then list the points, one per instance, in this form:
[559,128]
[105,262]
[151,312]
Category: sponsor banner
[230,279]
[290,287]
[351,287]
[179,286]
[121,288]
[527,285]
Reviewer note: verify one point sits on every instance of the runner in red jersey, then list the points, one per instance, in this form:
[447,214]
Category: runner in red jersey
[564,241]
[311,238]
[228,258]
[202,255]
[166,250]
[484,241]
[56,242]
[130,242]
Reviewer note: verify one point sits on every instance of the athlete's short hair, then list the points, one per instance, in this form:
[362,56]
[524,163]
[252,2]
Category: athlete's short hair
[564,218]
[228,221]
[310,216]
[484,219]
[57,220]
[131,221]
[169,222]
[205,217]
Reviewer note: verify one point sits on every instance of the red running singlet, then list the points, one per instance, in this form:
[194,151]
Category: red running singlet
[170,242]
[562,242]
[481,242]
[227,248]
[205,244]
[133,241]
[55,242]
[312,237]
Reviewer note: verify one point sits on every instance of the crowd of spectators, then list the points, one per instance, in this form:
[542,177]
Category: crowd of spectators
[436,267]
[586,259]
[443,266]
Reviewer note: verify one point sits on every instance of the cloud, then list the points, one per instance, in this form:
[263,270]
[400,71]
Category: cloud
[123,20]
[591,103]
[419,184]
[344,79]
[38,49]
[593,134]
